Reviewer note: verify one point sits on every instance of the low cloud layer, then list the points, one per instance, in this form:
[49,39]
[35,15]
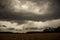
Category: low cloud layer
[29,24]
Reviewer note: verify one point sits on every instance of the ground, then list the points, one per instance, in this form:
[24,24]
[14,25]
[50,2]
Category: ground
[30,36]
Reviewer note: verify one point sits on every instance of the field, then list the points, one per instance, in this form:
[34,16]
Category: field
[30,36]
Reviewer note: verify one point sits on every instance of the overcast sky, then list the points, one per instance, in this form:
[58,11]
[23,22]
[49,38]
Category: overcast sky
[30,13]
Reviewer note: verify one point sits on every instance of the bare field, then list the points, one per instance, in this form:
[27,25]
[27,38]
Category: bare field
[30,36]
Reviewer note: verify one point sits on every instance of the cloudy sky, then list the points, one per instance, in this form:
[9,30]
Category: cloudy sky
[30,13]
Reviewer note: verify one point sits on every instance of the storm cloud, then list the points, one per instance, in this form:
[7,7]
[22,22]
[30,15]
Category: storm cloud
[29,13]
[7,12]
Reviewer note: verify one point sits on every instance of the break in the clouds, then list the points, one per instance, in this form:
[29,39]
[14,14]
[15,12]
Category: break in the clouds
[26,13]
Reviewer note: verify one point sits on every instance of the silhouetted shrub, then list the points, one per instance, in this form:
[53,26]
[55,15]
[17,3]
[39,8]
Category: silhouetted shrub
[57,29]
[52,29]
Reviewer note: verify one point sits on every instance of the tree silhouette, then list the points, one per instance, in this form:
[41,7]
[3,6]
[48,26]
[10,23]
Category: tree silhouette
[57,29]
[52,29]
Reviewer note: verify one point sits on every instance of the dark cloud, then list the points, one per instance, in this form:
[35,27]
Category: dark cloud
[53,13]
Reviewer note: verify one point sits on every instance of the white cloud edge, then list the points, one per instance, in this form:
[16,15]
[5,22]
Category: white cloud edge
[50,23]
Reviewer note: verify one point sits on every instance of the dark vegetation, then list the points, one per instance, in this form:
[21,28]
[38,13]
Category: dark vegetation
[49,30]
[52,29]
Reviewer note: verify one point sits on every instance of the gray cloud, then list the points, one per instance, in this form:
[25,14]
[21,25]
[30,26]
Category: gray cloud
[41,14]
[52,13]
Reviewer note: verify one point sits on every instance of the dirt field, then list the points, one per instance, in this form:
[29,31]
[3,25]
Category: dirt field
[30,36]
